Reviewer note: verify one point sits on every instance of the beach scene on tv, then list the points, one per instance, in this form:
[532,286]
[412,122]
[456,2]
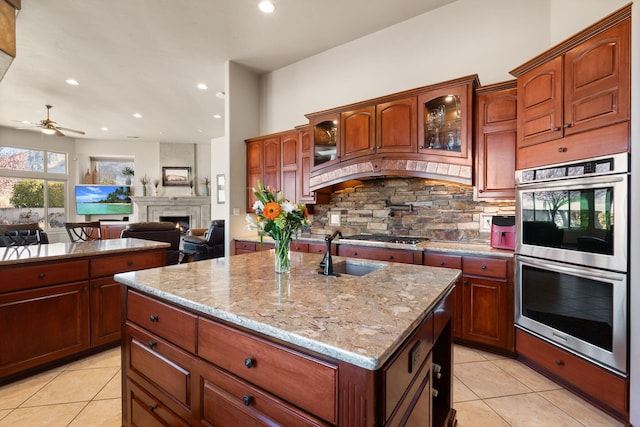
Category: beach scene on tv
[103,200]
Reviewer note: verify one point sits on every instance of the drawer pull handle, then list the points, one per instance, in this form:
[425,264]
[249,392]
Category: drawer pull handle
[441,263]
[153,408]
[153,318]
[559,363]
[484,267]
[151,344]
[562,149]
[247,400]
[249,362]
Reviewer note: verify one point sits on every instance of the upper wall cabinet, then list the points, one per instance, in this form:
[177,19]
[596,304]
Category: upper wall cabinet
[574,100]
[424,132]
[445,122]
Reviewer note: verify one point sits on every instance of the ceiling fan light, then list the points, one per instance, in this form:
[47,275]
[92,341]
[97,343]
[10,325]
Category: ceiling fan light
[48,131]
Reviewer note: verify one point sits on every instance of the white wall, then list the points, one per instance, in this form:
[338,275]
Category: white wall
[219,159]
[487,37]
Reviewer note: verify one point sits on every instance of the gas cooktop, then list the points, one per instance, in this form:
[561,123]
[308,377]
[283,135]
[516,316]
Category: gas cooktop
[385,238]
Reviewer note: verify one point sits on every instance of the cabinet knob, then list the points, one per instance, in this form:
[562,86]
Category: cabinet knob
[480,191]
[434,392]
[247,400]
[441,263]
[151,344]
[555,129]
[562,149]
[566,125]
[41,276]
[249,362]
[390,256]
[153,318]
[355,254]
[153,408]
[559,362]
[483,267]
[129,262]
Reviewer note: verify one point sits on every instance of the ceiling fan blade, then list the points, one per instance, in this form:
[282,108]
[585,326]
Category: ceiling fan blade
[58,133]
[70,130]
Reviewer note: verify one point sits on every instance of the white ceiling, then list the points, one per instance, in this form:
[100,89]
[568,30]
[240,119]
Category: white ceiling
[147,56]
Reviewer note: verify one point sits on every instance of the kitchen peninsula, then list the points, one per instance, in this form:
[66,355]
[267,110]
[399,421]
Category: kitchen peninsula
[228,340]
[59,301]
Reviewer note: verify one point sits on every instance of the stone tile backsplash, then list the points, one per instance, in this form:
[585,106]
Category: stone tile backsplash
[441,211]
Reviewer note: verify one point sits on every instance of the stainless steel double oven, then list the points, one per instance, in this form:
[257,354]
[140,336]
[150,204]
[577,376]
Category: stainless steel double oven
[572,257]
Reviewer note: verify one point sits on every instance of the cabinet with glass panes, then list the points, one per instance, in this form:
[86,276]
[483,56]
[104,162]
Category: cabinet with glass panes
[325,134]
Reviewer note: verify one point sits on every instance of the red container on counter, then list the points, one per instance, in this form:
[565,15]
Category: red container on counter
[503,232]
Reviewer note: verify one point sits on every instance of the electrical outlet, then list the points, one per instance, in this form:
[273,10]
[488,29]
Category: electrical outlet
[334,219]
[485,222]
[236,211]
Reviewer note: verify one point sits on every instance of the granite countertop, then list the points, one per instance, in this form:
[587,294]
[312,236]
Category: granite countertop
[454,247]
[359,320]
[56,251]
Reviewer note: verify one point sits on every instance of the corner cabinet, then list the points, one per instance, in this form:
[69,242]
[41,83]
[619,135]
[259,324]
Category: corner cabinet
[574,100]
[495,138]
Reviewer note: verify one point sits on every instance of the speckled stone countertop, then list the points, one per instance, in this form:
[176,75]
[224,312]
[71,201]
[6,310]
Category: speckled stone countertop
[56,251]
[454,247]
[359,320]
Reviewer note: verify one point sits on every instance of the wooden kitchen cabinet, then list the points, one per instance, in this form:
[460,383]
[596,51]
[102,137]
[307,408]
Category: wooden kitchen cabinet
[445,121]
[305,195]
[495,136]
[434,259]
[325,137]
[263,164]
[357,132]
[407,256]
[396,130]
[254,170]
[574,100]
[289,164]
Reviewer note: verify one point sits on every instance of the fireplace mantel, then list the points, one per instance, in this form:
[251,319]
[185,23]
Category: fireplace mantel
[197,208]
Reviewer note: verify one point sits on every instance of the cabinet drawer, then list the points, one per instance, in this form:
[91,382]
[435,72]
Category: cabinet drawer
[280,371]
[490,267]
[405,365]
[145,410]
[320,248]
[163,365]
[33,276]
[380,254]
[299,247]
[224,397]
[112,264]
[442,260]
[245,247]
[166,321]
[600,384]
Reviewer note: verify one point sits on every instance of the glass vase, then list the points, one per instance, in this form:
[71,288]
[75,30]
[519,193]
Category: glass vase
[282,256]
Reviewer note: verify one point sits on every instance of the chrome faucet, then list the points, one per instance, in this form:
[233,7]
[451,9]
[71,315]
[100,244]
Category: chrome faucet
[327,264]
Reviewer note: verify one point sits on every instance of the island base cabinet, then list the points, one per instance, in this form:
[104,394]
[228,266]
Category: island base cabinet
[229,402]
[38,313]
[145,410]
[105,311]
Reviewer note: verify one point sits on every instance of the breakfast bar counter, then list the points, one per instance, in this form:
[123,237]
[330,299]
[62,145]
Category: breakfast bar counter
[228,338]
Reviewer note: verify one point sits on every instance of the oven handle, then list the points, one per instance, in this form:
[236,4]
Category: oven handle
[578,182]
[570,269]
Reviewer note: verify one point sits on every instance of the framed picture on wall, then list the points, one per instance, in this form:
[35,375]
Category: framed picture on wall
[176,176]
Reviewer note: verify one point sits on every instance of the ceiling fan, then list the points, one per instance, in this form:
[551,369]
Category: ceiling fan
[50,127]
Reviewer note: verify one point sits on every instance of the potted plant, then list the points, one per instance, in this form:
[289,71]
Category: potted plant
[206,182]
[128,173]
[144,180]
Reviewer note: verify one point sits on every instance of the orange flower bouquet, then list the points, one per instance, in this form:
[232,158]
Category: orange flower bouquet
[279,219]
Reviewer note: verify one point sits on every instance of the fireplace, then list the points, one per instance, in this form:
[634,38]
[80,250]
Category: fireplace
[181,222]
[197,210]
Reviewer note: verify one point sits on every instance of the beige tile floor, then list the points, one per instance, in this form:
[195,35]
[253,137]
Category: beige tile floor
[488,391]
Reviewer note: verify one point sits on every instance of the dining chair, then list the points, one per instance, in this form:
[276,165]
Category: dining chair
[22,234]
[83,231]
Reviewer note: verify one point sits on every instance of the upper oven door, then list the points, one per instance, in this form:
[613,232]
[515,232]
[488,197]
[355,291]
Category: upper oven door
[581,221]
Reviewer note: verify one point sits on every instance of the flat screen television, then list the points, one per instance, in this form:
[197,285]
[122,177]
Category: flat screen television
[103,200]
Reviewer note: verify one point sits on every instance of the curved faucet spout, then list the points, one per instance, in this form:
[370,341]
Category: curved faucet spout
[327,264]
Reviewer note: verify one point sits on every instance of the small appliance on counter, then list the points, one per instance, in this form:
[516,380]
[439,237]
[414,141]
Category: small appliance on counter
[503,232]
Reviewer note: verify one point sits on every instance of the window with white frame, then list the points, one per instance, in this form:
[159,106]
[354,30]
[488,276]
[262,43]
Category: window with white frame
[33,186]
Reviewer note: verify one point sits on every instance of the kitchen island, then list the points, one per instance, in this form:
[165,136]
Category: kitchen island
[229,342]
[59,302]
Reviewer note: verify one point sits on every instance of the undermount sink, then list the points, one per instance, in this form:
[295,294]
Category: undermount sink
[355,268]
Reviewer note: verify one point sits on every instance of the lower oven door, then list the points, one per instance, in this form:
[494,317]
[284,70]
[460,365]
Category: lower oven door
[583,310]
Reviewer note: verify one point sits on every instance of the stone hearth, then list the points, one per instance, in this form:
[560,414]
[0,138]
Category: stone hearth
[198,209]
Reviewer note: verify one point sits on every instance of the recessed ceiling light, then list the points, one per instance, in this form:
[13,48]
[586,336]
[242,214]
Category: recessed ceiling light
[220,95]
[202,86]
[137,115]
[72,82]
[266,6]
[217,116]
[104,129]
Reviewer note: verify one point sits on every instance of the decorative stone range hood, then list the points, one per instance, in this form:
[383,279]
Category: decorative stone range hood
[198,209]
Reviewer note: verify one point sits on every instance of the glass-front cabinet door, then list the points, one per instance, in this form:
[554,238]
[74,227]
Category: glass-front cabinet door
[325,134]
[444,126]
